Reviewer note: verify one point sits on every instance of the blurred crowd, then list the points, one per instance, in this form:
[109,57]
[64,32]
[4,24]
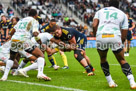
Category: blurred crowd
[52,9]
[7,21]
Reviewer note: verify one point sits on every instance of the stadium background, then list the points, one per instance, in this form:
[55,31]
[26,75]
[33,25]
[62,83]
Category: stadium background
[78,14]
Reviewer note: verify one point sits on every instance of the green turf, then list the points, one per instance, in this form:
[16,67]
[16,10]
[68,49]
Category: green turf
[74,77]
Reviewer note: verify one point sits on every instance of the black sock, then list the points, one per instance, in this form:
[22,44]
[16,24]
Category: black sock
[88,69]
[127,51]
[126,69]
[105,68]
[91,66]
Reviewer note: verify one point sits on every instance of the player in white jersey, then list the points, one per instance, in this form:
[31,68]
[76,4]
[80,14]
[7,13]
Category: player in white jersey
[21,41]
[42,41]
[110,26]
[5,54]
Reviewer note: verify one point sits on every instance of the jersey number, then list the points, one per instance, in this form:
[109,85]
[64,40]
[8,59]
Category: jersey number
[113,15]
[22,25]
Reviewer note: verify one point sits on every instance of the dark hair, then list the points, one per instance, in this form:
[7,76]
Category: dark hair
[52,20]
[114,3]
[32,12]
[54,28]
[17,19]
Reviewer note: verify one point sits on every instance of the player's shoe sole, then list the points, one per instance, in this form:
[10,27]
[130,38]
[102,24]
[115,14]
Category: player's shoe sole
[133,86]
[43,77]
[23,73]
[15,73]
[92,70]
[113,85]
[56,67]
[3,79]
[90,74]
[65,67]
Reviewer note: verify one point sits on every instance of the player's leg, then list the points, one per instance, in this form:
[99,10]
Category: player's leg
[88,60]
[128,47]
[23,71]
[9,65]
[64,58]
[2,63]
[125,47]
[82,61]
[40,62]
[105,67]
[51,58]
[125,67]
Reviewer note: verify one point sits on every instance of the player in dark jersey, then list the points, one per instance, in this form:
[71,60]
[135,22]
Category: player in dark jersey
[3,27]
[129,35]
[77,40]
[46,28]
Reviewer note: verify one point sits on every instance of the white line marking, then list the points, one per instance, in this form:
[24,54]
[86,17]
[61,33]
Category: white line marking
[119,65]
[45,85]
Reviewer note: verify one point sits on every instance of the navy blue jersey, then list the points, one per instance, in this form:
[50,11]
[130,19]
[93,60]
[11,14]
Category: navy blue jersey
[39,19]
[69,33]
[4,25]
[10,27]
[45,28]
[130,21]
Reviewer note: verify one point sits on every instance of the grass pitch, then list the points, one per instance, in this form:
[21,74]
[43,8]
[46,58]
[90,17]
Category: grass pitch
[74,77]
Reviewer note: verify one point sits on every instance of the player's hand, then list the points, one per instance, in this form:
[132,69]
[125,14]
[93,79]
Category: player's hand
[130,29]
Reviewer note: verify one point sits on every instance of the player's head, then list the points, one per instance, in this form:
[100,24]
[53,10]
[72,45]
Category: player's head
[52,23]
[3,17]
[127,14]
[33,13]
[14,20]
[57,30]
[114,3]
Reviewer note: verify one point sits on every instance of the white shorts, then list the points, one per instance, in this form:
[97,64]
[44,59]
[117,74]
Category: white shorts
[104,42]
[18,45]
[4,57]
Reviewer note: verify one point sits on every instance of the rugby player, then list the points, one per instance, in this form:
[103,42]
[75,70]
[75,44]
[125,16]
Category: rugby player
[131,26]
[20,41]
[110,25]
[46,28]
[78,42]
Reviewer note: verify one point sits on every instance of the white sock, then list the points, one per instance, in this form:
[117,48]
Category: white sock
[131,79]
[9,64]
[40,62]
[31,67]
[109,78]
[21,65]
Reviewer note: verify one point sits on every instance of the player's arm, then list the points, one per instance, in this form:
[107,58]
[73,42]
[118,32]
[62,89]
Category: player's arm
[133,26]
[11,33]
[95,23]
[124,29]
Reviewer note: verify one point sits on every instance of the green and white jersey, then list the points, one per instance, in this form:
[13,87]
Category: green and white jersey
[24,28]
[111,21]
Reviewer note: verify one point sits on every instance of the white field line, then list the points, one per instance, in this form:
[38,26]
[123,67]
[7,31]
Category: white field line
[45,85]
[119,65]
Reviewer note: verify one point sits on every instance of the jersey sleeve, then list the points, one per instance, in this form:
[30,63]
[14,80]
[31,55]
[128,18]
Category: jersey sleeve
[125,23]
[49,36]
[35,26]
[96,15]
